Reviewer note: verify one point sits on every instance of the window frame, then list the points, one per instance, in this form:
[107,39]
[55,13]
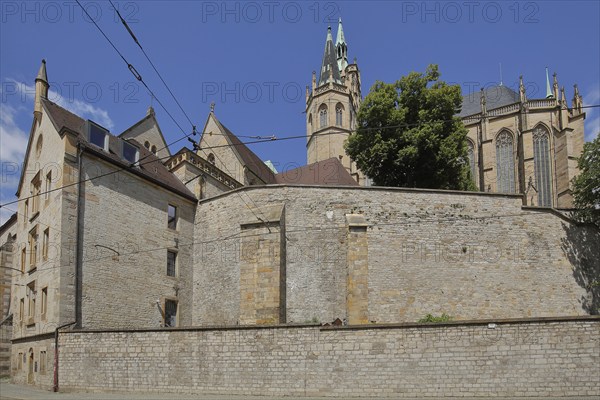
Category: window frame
[136,155]
[542,165]
[101,129]
[171,300]
[172,224]
[505,162]
[175,269]
[44,302]
[45,244]
[33,248]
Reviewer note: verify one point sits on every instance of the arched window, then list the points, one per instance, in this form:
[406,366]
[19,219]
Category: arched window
[339,114]
[310,126]
[323,116]
[211,158]
[505,163]
[471,155]
[153,149]
[147,144]
[541,160]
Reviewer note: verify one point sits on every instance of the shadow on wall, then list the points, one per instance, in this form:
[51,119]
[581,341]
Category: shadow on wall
[581,245]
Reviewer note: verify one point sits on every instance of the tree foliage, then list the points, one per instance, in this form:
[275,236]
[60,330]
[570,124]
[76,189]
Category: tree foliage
[586,185]
[408,134]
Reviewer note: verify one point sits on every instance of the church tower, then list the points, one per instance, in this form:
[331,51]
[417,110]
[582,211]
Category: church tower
[332,104]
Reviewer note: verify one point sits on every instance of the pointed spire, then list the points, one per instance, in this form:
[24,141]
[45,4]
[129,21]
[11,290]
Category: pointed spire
[483,102]
[577,99]
[522,95]
[548,88]
[42,76]
[41,91]
[563,98]
[341,47]
[150,111]
[329,67]
[555,86]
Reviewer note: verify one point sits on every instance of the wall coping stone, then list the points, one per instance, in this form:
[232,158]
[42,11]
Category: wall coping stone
[404,325]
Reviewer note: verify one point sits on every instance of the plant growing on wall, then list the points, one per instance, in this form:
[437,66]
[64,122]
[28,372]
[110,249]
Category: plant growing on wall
[433,319]
[586,185]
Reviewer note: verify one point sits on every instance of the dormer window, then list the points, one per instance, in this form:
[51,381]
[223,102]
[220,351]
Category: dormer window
[130,153]
[98,135]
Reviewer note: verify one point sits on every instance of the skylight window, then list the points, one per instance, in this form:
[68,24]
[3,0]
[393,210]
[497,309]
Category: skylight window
[130,153]
[98,135]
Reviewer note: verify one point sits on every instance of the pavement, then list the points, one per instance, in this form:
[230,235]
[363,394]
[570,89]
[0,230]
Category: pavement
[9,391]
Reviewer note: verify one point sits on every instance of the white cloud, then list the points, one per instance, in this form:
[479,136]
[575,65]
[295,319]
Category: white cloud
[13,139]
[76,106]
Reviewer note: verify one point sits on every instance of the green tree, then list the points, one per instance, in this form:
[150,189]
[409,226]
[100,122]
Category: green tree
[408,134]
[586,185]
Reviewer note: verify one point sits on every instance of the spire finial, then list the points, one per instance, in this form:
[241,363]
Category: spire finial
[212,107]
[500,74]
[42,75]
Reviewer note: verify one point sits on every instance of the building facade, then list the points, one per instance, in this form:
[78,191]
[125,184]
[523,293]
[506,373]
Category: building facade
[117,232]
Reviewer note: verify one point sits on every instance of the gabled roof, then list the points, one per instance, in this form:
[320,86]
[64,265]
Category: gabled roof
[326,172]
[495,97]
[9,223]
[131,131]
[150,168]
[248,157]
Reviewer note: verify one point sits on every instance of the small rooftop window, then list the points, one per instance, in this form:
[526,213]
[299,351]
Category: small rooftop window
[130,153]
[97,135]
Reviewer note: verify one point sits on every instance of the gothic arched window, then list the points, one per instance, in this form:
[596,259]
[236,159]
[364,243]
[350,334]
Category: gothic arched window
[323,116]
[211,158]
[154,149]
[147,144]
[310,125]
[471,155]
[339,114]
[541,160]
[505,163]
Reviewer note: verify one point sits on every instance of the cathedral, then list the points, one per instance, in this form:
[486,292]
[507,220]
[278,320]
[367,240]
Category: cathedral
[114,231]
[515,144]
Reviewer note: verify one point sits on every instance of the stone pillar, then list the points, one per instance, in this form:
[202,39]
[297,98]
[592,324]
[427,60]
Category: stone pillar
[262,268]
[357,297]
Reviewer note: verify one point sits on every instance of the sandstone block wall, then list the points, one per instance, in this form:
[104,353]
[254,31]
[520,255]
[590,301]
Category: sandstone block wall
[529,358]
[125,243]
[469,255]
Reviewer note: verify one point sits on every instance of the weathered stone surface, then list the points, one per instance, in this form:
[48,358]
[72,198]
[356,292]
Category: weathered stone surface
[536,358]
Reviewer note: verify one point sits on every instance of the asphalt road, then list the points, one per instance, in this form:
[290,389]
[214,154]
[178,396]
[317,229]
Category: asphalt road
[9,391]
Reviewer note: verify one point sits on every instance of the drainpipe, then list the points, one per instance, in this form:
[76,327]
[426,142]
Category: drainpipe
[79,249]
[56,353]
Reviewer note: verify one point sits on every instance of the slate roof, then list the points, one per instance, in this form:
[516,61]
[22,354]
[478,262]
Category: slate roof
[328,172]
[150,168]
[249,158]
[329,61]
[495,97]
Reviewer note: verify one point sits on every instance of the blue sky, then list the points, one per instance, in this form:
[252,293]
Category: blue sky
[254,59]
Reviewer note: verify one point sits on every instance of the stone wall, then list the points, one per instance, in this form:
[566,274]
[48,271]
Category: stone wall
[469,255]
[534,358]
[125,243]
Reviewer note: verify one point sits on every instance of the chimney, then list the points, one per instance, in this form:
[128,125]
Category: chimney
[41,91]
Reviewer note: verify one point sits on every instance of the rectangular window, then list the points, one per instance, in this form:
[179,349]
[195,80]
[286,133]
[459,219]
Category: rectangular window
[172,217]
[170,313]
[31,294]
[36,189]
[33,248]
[26,211]
[130,153]
[23,259]
[43,361]
[48,186]
[45,242]
[22,309]
[98,135]
[171,263]
[44,301]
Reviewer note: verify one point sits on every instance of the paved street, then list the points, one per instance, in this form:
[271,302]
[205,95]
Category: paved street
[9,391]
